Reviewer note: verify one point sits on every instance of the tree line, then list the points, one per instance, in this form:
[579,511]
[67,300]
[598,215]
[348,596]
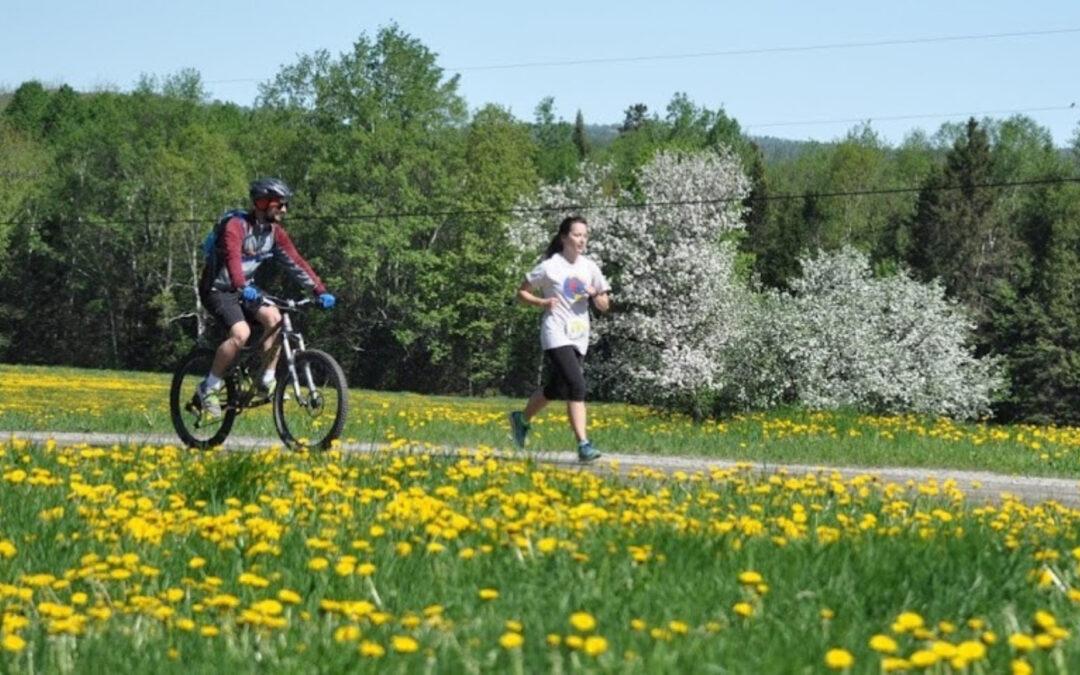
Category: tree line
[406,198]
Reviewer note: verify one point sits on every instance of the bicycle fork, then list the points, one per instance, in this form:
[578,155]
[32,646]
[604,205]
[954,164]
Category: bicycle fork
[289,336]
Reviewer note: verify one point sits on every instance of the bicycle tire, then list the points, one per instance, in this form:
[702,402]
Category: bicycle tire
[187,421]
[317,418]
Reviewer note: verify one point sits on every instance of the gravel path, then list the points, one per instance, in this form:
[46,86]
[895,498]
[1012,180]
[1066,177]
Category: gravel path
[977,486]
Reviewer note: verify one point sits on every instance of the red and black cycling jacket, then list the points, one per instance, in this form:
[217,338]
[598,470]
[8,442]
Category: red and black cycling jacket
[245,244]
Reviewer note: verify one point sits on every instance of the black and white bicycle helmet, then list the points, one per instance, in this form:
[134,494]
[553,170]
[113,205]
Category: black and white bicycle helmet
[269,188]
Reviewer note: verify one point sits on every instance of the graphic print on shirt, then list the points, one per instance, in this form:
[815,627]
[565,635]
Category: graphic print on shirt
[573,289]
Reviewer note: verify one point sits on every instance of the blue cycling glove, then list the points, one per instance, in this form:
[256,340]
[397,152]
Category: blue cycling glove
[326,300]
[251,294]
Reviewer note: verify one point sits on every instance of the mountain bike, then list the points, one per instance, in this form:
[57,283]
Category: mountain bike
[310,401]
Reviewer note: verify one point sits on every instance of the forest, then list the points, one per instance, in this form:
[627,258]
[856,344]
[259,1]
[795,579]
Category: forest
[407,200]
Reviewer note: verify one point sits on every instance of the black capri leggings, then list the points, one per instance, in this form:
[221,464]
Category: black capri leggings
[566,374]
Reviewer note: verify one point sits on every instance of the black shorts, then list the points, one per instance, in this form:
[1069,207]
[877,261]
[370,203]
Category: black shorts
[566,374]
[228,307]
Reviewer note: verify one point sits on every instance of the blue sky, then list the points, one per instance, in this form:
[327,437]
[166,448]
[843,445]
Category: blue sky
[767,63]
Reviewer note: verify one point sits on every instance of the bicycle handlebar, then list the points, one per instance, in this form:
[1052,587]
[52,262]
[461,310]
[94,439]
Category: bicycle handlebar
[286,304]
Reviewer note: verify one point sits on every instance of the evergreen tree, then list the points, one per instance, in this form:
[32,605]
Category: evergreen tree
[580,141]
[958,235]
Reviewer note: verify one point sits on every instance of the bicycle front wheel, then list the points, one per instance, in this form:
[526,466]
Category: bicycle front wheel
[194,427]
[310,410]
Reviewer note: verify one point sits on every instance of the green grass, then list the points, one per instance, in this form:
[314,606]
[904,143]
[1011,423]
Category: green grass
[656,564]
[64,399]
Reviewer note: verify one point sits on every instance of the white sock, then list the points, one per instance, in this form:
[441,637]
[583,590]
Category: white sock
[268,377]
[212,383]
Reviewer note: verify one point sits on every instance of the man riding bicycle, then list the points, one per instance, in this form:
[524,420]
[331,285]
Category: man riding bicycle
[245,241]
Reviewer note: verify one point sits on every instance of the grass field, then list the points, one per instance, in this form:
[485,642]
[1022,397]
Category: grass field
[159,559]
[61,399]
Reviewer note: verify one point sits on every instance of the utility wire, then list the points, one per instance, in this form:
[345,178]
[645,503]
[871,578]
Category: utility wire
[767,50]
[888,118]
[732,52]
[389,215]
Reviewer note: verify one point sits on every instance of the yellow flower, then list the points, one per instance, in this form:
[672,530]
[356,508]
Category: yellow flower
[13,643]
[290,597]
[743,609]
[971,650]
[318,564]
[511,640]
[883,644]
[839,659]
[907,621]
[365,569]
[403,644]
[595,645]
[554,639]
[924,658]
[1045,620]
[1021,667]
[583,622]
[209,631]
[1021,642]
[488,594]
[347,634]
[750,578]
[196,562]
[403,548]
[892,664]
[372,650]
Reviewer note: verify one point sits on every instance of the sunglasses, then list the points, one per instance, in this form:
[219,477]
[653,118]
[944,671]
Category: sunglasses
[267,203]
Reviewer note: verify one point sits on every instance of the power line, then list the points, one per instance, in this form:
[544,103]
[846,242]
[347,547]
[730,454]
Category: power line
[768,50]
[732,52]
[889,118]
[390,215]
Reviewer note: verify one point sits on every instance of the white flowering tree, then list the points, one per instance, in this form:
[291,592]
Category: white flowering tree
[844,338]
[677,301]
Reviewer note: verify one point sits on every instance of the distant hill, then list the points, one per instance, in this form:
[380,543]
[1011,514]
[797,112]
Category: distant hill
[773,149]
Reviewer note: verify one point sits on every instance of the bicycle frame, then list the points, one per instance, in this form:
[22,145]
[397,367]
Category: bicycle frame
[310,403]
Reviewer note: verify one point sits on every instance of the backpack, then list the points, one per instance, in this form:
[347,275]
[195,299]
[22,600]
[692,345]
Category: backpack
[209,245]
[210,249]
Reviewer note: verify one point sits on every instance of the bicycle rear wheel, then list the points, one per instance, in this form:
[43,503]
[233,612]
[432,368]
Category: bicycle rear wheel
[191,424]
[311,412]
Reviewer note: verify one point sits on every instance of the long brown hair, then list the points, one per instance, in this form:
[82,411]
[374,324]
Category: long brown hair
[556,244]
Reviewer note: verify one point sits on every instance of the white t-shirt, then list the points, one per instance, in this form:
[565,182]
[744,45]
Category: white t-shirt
[568,322]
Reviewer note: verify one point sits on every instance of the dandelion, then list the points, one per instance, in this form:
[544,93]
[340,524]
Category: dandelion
[884,644]
[511,640]
[743,609]
[583,622]
[595,645]
[907,622]
[1021,642]
[289,597]
[13,643]
[403,644]
[488,594]
[750,578]
[371,650]
[839,659]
